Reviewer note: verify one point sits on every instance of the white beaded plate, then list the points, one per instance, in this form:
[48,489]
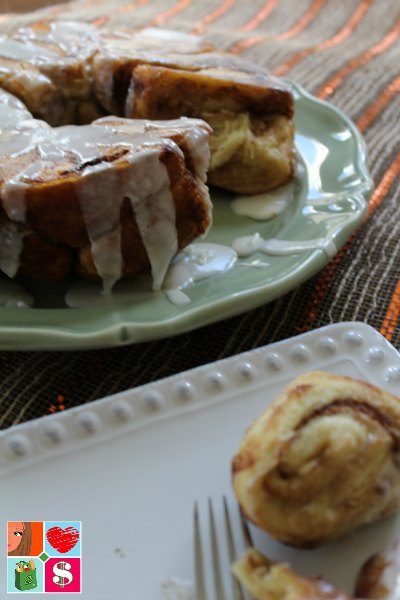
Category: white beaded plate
[130,466]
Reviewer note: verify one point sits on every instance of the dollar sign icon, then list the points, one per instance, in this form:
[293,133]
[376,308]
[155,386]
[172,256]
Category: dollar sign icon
[62,576]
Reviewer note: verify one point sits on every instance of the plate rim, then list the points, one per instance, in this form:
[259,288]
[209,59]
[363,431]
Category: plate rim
[104,419]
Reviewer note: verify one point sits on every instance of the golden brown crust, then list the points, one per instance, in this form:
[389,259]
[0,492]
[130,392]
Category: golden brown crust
[253,140]
[266,580]
[72,72]
[321,460]
[368,583]
[44,260]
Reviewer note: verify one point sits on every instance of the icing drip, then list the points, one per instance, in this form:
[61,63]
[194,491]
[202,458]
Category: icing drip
[147,188]
[248,245]
[199,150]
[195,263]
[101,213]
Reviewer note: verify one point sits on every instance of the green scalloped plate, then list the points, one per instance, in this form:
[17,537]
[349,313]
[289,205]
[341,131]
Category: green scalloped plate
[331,197]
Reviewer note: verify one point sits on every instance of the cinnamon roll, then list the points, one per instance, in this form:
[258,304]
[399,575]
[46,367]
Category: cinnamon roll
[266,580]
[322,460]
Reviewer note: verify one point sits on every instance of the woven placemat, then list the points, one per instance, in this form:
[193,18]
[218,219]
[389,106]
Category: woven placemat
[344,51]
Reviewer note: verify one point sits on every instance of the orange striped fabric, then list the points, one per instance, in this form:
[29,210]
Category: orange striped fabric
[379,104]
[384,186]
[334,82]
[124,8]
[299,26]
[200,26]
[163,17]
[392,316]
[339,37]
[127,8]
[259,17]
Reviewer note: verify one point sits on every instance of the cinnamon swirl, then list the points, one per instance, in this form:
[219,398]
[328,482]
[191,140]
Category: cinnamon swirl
[322,460]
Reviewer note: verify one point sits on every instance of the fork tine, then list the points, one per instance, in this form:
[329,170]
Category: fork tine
[238,591]
[198,558]
[219,590]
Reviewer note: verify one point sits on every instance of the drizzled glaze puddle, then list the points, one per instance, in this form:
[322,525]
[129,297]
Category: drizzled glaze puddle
[264,207]
[194,263]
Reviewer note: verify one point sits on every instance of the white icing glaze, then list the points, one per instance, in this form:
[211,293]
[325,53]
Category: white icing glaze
[53,43]
[262,207]
[177,297]
[197,142]
[13,295]
[25,51]
[247,245]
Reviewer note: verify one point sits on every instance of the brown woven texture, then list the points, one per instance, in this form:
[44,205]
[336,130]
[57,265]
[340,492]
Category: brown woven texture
[345,51]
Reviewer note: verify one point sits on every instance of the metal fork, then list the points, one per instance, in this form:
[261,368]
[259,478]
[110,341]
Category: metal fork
[218,586]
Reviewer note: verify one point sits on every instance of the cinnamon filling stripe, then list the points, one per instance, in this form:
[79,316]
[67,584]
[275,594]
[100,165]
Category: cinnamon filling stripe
[299,26]
[340,405]
[338,38]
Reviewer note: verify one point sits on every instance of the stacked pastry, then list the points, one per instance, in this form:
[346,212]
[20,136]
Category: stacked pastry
[71,72]
[118,197]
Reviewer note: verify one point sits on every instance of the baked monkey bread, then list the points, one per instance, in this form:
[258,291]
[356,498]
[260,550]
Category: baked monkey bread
[113,196]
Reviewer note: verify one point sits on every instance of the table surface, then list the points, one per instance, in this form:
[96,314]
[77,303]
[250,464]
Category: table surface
[346,52]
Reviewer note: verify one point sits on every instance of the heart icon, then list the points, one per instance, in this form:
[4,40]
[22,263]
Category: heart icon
[62,540]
